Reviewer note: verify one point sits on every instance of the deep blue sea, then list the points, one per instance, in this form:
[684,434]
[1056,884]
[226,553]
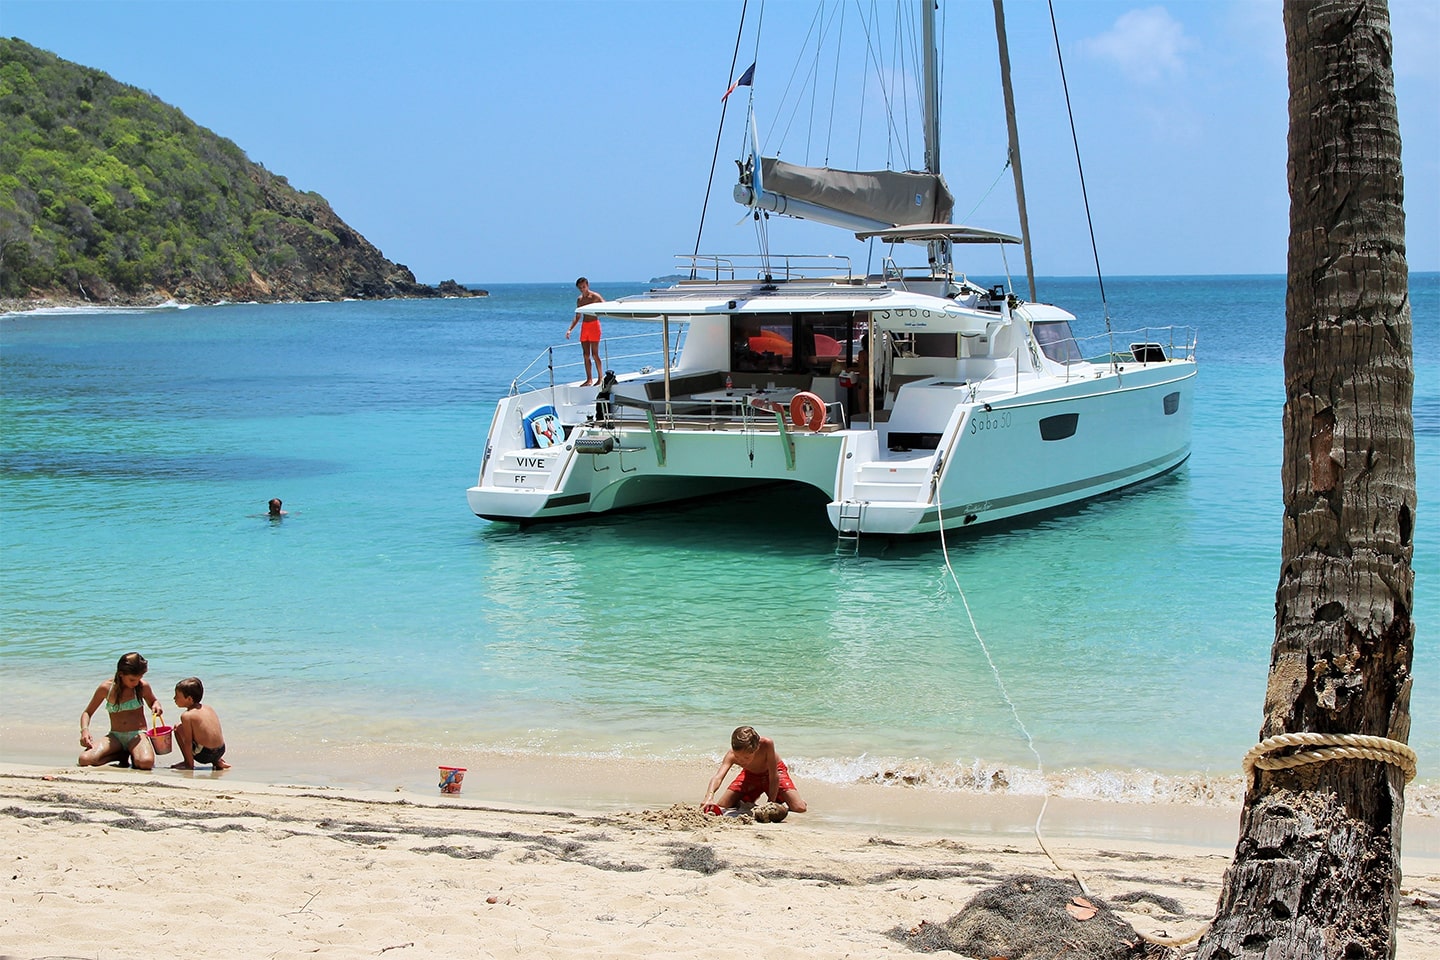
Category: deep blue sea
[138,450]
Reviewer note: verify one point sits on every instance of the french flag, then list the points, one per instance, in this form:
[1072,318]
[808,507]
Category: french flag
[746,79]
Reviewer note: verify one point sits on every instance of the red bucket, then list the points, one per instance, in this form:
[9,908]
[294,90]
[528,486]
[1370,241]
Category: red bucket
[160,739]
[451,778]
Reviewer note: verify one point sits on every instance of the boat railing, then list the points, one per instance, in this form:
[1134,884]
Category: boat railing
[731,413]
[775,267]
[564,362]
[1138,345]
[893,273]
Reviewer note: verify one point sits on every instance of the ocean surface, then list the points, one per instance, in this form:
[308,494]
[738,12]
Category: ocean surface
[138,449]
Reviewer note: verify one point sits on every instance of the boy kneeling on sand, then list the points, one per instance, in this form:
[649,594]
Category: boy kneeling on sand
[761,771]
[198,731]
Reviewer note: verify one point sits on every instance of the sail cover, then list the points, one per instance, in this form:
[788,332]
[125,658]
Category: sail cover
[886,196]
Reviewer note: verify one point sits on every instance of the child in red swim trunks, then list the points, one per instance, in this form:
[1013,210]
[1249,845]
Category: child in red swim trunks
[761,771]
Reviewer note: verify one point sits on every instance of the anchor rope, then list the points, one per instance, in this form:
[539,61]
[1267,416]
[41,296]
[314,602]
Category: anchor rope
[1320,747]
[1072,872]
[1315,747]
[1004,695]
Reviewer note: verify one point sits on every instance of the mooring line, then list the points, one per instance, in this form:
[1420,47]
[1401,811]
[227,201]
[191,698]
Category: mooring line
[1014,711]
[1253,759]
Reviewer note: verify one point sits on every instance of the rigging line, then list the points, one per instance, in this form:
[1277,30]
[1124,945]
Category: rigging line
[825,32]
[815,84]
[864,85]
[877,58]
[898,78]
[985,196]
[887,84]
[715,158]
[762,239]
[912,78]
[785,96]
[835,83]
[1000,684]
[1094,248]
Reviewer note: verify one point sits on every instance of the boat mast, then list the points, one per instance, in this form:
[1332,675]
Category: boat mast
[1014,142]
[939,249]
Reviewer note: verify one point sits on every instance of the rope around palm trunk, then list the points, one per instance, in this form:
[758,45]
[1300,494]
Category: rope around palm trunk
[1320,747]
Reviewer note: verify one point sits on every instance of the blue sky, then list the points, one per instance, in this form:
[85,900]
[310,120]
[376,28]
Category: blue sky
[536,141]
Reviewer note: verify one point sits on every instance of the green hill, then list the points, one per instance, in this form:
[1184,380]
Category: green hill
[107,194]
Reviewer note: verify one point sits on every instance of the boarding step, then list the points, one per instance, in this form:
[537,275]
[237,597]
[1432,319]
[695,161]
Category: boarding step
[895,471]
[891,492]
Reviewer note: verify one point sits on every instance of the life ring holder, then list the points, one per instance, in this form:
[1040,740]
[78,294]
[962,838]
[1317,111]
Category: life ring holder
[807,410]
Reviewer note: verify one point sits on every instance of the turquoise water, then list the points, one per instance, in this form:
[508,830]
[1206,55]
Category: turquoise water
[139,448]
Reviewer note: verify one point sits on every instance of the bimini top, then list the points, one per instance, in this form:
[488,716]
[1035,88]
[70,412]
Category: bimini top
[926,232]
[890,308]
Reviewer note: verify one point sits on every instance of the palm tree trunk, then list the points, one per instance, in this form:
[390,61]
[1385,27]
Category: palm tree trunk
[1317,868]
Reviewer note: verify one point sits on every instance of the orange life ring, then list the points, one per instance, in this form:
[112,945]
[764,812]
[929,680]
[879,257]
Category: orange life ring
[807,410]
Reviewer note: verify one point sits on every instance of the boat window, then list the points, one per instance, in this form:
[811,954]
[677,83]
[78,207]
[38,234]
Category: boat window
[1057,341]
[937,345]
[1059,427]
[833,333]
[762,344]
[768,344]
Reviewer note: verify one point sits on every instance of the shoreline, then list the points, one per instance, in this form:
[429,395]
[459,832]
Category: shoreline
[401,756]
[616,783]
[68,304]
[286,870]
[1196,808]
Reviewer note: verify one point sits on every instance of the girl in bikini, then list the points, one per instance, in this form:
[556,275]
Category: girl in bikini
[124,698]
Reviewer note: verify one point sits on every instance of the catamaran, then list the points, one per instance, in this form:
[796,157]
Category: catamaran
[914,398]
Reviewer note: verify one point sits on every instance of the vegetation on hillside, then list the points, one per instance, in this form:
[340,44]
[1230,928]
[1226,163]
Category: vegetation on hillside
[108,194]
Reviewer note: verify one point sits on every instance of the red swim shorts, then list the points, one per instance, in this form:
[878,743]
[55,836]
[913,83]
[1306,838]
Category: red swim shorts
[590,331]
[749,785]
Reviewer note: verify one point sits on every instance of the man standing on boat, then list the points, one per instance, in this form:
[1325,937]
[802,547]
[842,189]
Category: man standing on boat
[589,331]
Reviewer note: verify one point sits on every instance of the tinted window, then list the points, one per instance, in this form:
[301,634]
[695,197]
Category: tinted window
[1059,427]
[791,344]
[1057,341]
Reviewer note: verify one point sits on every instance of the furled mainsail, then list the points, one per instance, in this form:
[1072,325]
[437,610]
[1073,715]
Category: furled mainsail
[880,196]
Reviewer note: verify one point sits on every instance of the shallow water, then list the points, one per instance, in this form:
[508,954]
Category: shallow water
[139,448]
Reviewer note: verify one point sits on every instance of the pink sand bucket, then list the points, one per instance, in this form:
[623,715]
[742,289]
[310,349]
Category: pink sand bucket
[160,739]
[451,778]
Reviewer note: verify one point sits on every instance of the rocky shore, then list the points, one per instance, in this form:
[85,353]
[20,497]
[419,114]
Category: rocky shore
[60,299]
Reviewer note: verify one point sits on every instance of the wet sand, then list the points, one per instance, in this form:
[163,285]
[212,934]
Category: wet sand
[250,869]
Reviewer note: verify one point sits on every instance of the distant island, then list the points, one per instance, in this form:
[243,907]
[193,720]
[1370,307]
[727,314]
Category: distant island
[110,196]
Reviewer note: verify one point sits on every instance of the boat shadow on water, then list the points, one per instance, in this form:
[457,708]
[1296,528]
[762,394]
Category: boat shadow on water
[789,518]
[786,513]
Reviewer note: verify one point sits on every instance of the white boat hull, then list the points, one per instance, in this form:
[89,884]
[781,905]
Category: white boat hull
[990,462]
[999,466]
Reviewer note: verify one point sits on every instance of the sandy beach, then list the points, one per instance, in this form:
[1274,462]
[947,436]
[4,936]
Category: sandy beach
[110,863]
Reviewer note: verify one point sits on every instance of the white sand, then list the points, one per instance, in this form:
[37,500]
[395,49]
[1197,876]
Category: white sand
[112,863]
